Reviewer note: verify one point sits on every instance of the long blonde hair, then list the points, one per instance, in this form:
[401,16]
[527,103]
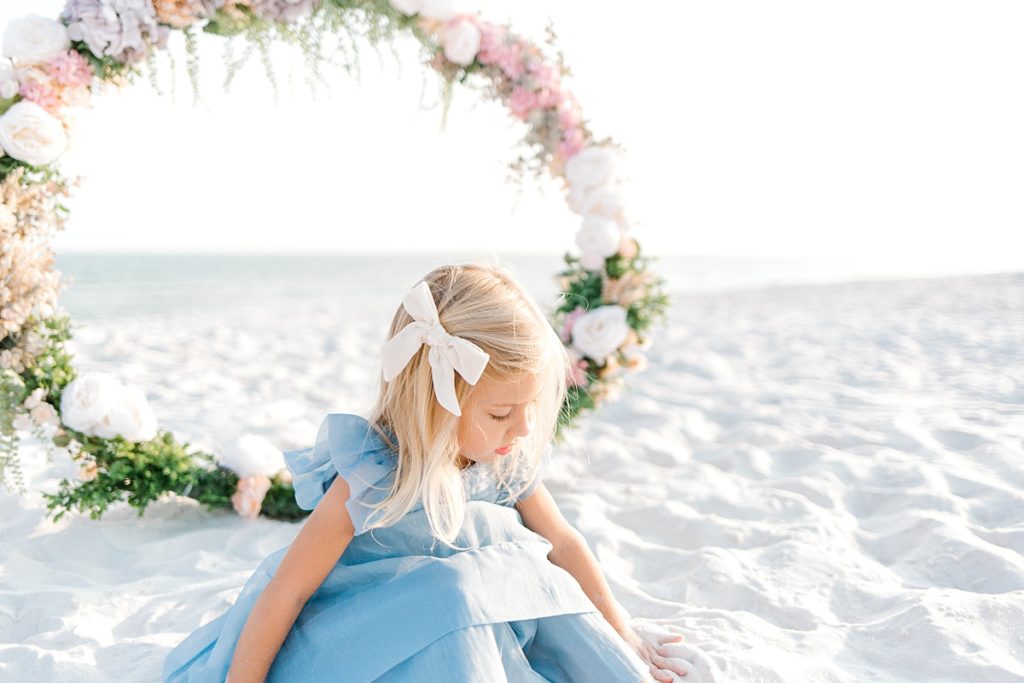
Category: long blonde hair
[487,305]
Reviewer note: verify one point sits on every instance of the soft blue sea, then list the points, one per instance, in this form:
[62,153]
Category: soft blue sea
[105,286]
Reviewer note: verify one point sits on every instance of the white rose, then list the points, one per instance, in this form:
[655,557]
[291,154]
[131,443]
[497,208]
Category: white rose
[440,10]
[131,417]
[34,39]
[461,42]
[591,167]
[605,200]
[31,134]
[407,6]
[597,239]
[598,333]
[88,399]
[251,455]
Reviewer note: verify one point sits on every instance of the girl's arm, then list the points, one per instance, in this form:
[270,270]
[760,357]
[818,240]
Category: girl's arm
[570,551]
[312,555]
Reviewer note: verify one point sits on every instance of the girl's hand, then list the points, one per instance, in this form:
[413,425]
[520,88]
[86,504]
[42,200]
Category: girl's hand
[655,656]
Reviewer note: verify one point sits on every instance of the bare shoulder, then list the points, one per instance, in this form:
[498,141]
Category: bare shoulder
[318,545]
[541,515]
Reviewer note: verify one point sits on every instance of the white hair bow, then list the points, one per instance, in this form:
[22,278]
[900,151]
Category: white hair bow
[447,352]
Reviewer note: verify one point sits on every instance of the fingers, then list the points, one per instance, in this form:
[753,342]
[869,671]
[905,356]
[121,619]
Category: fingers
[663,675]
[669,639]
[671,665]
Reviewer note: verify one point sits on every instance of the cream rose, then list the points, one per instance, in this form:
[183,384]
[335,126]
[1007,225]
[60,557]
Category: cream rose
[592,167]
[131,418]
[600,332]
[407,6]
[597,239]
[461,40]
[603,200]
[31,134]
[34,39]
[88,399]
[251,455]
[443,10]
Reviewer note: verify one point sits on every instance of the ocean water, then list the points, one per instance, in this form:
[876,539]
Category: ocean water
[110,286]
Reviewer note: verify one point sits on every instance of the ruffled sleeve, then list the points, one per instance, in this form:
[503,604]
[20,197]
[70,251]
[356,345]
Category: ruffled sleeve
[346,445]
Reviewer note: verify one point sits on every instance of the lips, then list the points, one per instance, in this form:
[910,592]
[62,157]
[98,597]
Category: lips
[504,450]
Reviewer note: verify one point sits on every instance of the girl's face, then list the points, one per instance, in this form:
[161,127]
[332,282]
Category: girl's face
[497,414]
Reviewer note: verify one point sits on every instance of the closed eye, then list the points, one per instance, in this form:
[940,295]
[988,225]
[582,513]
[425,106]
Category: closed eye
[500,418]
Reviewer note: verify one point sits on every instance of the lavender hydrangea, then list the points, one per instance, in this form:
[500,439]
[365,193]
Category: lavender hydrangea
[122,29]
[285,10]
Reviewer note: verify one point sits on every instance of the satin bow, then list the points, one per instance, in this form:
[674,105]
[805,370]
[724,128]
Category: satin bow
[448,353]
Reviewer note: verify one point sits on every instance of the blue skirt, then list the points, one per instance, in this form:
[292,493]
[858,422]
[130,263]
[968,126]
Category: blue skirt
[399,606]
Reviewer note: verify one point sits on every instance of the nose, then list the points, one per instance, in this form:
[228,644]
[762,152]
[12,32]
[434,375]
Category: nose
[521,425]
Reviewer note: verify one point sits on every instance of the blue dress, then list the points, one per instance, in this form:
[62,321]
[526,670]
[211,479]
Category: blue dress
[401,606]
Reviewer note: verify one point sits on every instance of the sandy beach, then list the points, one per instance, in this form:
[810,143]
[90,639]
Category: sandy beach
[814,483]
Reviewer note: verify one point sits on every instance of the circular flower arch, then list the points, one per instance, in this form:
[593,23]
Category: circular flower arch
[51,67]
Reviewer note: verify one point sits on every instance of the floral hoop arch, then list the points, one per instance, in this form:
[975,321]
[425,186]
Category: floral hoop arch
[52,66]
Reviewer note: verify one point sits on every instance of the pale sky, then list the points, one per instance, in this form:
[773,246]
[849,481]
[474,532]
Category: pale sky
[889,130]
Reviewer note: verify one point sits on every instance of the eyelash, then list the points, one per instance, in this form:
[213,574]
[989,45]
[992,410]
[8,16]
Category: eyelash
[500,418]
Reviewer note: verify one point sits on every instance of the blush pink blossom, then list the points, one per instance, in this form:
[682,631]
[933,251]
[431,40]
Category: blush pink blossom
[522,102]
[578,374]
[509,59]
[491,40]
[572,143]
[248,497]
[543,75]
[549,98]
[43,95]
[70,70]
[570,320]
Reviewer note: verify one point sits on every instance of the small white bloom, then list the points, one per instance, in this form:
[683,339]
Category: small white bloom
[35,39]
[22,422]
[31,134]
[461,42]
[9,84]
[598,333]
[597,239]
[35,398]
[45,414]
[407,6]
[252,455]
[591,167]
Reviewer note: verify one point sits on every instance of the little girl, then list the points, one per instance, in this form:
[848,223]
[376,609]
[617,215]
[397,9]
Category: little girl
[434,552]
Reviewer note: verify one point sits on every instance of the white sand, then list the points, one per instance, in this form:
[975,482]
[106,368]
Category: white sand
[814,484]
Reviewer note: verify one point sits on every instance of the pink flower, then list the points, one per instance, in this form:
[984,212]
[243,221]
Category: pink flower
[248,497]
[70,70]
[491,39]
[578,374]
[543,75]
[43,95]
[510,60]
[522,102]
[549,98]
[569,115]
[572,143]
[570,320]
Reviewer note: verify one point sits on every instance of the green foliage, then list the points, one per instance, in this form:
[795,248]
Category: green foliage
[12,393]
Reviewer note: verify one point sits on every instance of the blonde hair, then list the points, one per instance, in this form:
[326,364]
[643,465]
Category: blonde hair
[487,305]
